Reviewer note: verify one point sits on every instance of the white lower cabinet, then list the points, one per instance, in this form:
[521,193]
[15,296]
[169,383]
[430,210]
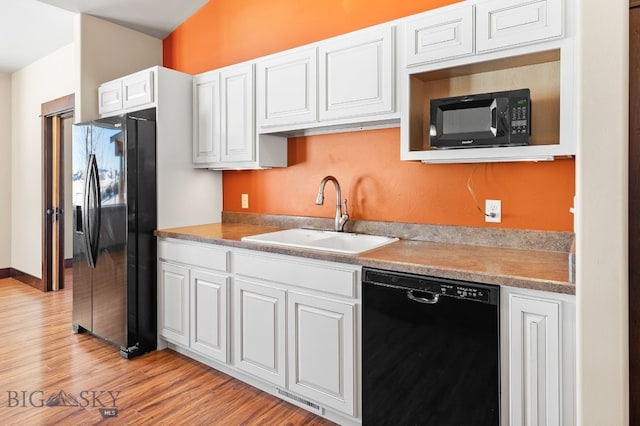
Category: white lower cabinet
[259,340]
[540,350]
[286,324]
[321,338]
[174,302]
[209,325]
[296,325]
[193,290]
[291,326]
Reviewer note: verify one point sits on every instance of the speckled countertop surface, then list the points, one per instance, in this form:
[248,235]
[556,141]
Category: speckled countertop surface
[517,267]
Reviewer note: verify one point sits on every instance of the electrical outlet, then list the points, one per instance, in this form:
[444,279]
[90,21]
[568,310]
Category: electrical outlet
[245,201]
[493,209]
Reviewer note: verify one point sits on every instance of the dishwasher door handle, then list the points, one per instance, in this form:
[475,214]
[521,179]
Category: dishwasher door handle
[431,301]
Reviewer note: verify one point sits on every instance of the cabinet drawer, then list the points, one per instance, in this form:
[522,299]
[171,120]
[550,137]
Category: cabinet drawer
[504,23]
[437,36]
[203,255]
[327,277]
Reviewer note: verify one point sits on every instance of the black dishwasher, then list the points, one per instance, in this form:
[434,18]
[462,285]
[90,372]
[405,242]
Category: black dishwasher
[430,351]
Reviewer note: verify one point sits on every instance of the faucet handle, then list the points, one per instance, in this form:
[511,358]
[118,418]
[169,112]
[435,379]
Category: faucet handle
[346,211]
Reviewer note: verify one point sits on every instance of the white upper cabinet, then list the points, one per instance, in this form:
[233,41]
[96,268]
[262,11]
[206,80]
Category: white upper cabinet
[137,89]
[237,113]
[445,34]
[505,23]
[332,85]
[171,94]
[490,46]
[287,90]
[110,97]
[357,74]
[206,118]
[134,91]
[224,129]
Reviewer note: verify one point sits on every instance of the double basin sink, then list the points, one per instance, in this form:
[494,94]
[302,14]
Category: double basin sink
[316,239]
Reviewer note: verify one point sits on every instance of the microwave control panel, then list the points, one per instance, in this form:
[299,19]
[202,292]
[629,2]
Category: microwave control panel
[520,109]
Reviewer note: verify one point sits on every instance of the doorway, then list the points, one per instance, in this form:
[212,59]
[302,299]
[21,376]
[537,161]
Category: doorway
[57,118]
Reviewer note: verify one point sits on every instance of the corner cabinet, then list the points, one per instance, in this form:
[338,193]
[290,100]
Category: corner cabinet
[540,354]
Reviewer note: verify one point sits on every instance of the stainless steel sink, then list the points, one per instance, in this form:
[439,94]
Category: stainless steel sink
[331,241]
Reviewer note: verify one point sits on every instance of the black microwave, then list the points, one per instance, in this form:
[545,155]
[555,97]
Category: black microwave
[481,120]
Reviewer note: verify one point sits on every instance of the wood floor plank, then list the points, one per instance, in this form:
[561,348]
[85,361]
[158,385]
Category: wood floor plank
[41,357]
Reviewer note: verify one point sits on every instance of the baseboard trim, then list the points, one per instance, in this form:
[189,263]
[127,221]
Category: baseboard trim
[68,263]
[25,278]
[5,273]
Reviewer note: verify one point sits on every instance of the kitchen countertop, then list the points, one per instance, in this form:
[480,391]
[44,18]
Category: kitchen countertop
[517,267]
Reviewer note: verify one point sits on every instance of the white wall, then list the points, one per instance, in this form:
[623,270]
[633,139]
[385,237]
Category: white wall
[107,51]
[602,230]
[5,170]
[101,51]
[44,80]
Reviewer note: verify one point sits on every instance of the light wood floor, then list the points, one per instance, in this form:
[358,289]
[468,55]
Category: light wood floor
[40,357]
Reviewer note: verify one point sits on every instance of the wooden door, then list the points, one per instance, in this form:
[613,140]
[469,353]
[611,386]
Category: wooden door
[57,116]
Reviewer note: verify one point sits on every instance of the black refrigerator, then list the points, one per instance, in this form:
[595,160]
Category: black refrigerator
[114,214]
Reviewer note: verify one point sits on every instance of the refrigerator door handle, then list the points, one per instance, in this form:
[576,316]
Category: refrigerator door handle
[92,193]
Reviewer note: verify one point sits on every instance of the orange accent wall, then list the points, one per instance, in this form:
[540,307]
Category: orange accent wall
[377,184]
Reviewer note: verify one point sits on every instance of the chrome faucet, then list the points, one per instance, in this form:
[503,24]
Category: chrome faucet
[340,219]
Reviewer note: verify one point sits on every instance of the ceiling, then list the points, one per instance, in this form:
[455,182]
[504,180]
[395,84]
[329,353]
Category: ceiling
[35,28]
